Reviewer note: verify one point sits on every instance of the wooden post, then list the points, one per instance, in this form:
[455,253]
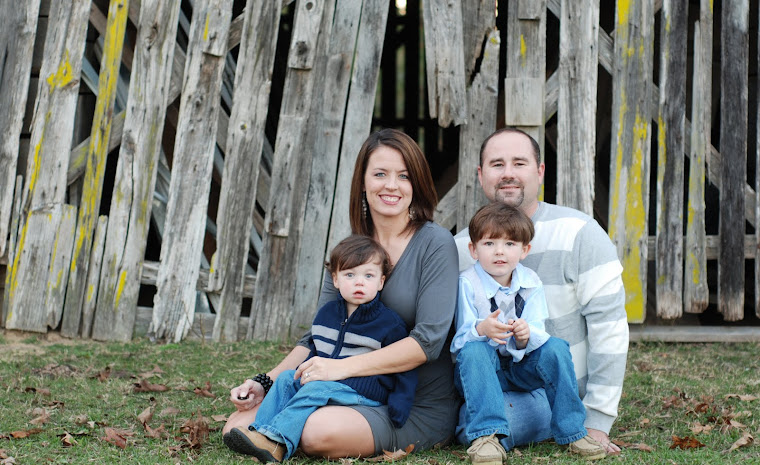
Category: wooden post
[52,129]
[482,99]
[670,162]
[245,140]
[60,262]
[135,181]
[526,67]
[733,149]
[695,291]
[329,117]
[576,115]
[13,235]
[630,148]
[97,154]
[757,205]
[174,304]
[478,22]
[19,29]
[93,276]
[444,59]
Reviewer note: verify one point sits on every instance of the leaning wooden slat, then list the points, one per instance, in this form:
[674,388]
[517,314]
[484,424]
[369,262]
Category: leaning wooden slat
[576,116]
[93,276]
[272,313]
[19,29]
[174,304]
[13,234]
[670,159]
[733,147]
[60,261]
[329,116]
[135,181]
[695,292]
[757,205]
[444,57]
[482,98]
[245,141]
[52,129]
[630,148]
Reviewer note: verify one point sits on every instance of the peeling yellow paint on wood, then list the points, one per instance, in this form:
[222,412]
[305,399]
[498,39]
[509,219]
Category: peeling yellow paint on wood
[120,288]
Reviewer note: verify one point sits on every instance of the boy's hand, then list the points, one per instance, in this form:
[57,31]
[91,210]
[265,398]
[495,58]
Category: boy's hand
[494,329]
[521,331]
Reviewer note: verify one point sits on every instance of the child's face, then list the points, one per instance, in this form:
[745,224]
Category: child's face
[499,256]
[360,284]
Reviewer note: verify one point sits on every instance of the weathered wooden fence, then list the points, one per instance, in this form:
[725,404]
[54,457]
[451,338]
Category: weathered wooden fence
[184,110]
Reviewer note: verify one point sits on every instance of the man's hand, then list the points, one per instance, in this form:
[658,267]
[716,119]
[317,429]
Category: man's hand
[521,330]
[494,329]
[604,440]
[247,396]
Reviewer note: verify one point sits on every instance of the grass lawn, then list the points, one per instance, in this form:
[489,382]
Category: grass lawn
[83,402]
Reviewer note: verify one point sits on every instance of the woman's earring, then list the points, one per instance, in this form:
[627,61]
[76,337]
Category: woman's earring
[364,206]
[411,213]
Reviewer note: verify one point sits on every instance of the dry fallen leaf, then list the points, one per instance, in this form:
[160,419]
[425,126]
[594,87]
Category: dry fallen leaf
[80,419]
[43,416]
[146,416]
[168,411]
[744,441]
[8,461]
[25,433]
[629,445]
[742,397]
[68,440]
[205,391]
[196,429]
[392,456]
[155,371]
[219,418]
[103,375]
[117,437]
[146,386]
[686,442]
[700,428]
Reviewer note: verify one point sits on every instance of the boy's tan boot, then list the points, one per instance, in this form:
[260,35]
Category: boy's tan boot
[588,448]
[486,450]
[256,444]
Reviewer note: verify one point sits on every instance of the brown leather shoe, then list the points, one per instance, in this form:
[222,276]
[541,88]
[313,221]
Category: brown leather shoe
[588,448]
[486,450]
[256,444]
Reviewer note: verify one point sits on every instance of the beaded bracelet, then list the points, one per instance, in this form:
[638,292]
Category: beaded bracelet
[265,381]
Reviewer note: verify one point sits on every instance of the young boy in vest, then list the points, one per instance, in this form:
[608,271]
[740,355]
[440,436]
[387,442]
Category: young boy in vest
[355,323]
[501,344]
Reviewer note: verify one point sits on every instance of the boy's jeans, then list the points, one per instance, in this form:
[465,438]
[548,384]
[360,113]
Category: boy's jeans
[286,407]
[481,376]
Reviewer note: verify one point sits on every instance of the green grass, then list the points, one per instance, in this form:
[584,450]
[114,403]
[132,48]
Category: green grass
[670,390]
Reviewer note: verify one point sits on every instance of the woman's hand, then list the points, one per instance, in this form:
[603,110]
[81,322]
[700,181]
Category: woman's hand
[320,369]
[247,396]
[494,329]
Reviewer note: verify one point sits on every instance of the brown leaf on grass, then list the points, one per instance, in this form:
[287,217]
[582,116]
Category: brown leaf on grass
[698,428]
[43,416]
[629,445]
[25,433]
[3,454]
[219,418]
[346,461]
[196,429]
[146,386]
[117,437]
[8,461]
[68,440]
[392,456]
[204,391]
[41,391]
[644,422]
[168,411]
[80,420]
[55,370]
[103,374]
[157,433]
[686,442]
[744,441]
[742,397]
[146,416]
[156,371]
[458,454]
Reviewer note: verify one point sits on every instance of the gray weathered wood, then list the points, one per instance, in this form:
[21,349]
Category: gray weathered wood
[13,235]
[245,141]
[46,165]
[446,211]
[576,116]
[695,291]
[712,244]
[670,159]
[698,334]
[482,98]
[19,29]
[60,262]
[191,178]
[93,276]
[444,59]
[478,21]
[273,315]
[131,202]
[757,203]
[630,148]
[92,189]
[330,117]
[733,147]
[201,330]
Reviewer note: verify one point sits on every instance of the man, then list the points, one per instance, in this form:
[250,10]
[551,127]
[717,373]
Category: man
[579,267]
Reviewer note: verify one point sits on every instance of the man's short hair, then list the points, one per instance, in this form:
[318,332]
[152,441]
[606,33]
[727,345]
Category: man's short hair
[498,220]
[357,250]
[512,130]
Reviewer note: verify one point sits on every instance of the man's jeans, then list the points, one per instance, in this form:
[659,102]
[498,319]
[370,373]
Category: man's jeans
[488,382]
[286,407]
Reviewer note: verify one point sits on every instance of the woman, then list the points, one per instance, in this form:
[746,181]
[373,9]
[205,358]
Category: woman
[392,201]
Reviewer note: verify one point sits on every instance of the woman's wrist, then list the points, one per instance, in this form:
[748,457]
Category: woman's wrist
[265,381]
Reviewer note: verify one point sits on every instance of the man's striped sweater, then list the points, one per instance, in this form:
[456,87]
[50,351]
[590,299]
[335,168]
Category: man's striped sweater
[581,273]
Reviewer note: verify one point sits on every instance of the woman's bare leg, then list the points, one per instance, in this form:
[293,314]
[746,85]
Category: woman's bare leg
[336,431]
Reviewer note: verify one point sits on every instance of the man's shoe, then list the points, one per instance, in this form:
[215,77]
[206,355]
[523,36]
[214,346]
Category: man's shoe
[486,450]
[256,444]
[588,448]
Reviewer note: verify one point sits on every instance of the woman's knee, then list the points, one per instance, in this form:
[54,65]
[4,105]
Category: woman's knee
[337,432]
[239,419]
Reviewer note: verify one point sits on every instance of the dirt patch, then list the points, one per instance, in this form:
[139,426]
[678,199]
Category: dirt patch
[19,343]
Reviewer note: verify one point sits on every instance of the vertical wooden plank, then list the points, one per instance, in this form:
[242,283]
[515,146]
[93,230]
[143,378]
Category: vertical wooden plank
[330,116]
[444,59]
[482,102]
[576,114]
[695,292]
[19,29]
[174,303]
[733,148]
[13,234]
[670,159]
[60,261]
[526,70]
[93,276]
[245,141]
[478,21]
[757,201]
[272,316]
[52,129]
[92,189]
[135,181]
[632,89]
